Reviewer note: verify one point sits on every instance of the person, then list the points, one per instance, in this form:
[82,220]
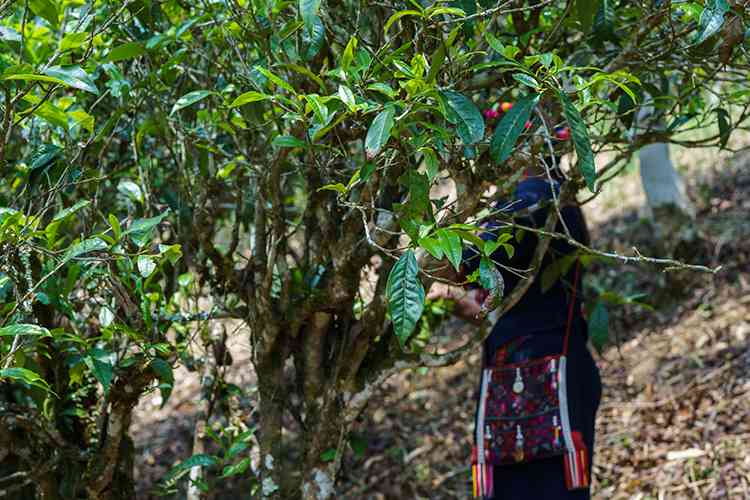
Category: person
[542,316]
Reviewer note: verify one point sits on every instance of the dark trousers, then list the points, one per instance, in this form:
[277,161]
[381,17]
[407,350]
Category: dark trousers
[544,479]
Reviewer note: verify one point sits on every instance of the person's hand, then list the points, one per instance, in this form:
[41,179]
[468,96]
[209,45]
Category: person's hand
[466,303]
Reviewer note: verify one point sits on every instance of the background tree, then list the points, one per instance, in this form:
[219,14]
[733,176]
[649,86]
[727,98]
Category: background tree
[171,165]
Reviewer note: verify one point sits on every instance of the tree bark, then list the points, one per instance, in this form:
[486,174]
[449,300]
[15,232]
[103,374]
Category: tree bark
[662,183]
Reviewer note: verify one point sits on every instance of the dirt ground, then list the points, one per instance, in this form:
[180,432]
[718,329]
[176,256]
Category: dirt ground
[675,417]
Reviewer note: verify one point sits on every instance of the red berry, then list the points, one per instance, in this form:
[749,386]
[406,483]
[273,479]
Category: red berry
[506,106]
[527,125]
[563,133]
[491,114]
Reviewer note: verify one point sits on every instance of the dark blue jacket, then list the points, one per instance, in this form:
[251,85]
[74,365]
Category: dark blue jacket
[538,311]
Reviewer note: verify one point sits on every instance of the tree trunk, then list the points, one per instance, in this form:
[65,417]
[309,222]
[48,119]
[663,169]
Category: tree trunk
[662,183]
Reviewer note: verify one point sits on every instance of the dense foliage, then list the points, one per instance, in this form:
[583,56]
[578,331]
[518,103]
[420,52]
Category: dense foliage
[168,166]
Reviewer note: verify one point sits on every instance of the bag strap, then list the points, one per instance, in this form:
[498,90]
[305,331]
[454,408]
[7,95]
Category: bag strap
[571,308]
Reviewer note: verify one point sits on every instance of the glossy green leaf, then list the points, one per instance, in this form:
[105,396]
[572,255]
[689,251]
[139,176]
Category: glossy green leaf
[182,468]
[24,330]
[164,371]
[248,97]
[347,97]
[308,10]
[287,141]
[450,243]
[398,15]
[24,375]
[99,362]
[348,56]
[711,19]
[146,265]
[129,50]
[276,80]
[140,230]
[62,214]
[73,40]
[189,99]
[433,246]
[510,128]
[527,80]
[73,76]
[581,141]
[405,296]
[467,118]
[46,9]
[84,247]
[236,469]
[313,37]
[379,132]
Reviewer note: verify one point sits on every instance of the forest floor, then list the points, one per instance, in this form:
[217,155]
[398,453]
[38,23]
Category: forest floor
[675,416]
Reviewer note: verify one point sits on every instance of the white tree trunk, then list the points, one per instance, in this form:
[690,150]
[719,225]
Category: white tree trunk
[662,183]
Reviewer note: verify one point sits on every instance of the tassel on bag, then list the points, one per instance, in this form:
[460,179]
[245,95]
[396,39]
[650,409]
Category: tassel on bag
[482,476]
[577,464]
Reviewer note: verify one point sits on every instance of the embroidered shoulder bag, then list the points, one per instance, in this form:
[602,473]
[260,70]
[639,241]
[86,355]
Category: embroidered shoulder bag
[523,414]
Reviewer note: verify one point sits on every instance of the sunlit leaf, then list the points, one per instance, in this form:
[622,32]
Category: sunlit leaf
[379,132]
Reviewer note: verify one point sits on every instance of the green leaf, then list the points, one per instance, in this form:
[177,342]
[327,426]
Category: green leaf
[348,56]
[382,88]
[164,371]
[84,247]
[140,229]
[247,97]
[116,229]
[347,97]
[433,246]
[201,460]
[308,10]
[338,187]
[599,326]
[604,21]
[287,141]
[379,132]
[450,243]
[398,15]
[73,40]
[146,265]
[510,128]
[71,210]
[189,99]
[126,51]
[469,121]
[236,469]
[98,361]
[711,19]
[46,9]
[725,126]
[329,455]
[24,375]
[275,79]
[313,37]
[405,296]
[24,330]
[527,80]
[586,10]
[581,141]
[73,76]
